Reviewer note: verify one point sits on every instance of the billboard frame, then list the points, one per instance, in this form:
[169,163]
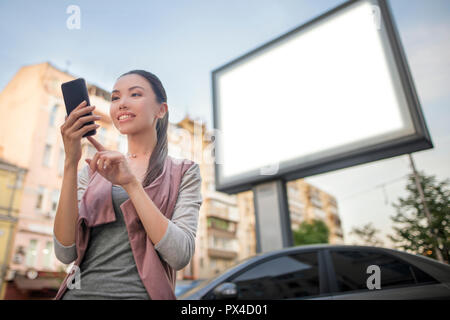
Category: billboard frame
[420,140]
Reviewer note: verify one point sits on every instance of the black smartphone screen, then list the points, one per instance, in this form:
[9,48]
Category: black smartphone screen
[75,92]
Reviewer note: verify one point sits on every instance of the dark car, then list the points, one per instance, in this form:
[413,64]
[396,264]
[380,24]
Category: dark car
[331,272]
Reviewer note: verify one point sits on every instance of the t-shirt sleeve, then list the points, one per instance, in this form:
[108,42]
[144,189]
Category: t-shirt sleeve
[178,243]
[68,254]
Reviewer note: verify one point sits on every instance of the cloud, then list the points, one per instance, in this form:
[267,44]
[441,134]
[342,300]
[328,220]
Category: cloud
[428,48]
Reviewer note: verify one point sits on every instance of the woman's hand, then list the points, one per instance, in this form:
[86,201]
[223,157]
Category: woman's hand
[72,131]
[111,164]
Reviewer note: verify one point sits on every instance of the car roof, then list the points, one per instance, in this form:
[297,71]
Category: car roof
[313,247]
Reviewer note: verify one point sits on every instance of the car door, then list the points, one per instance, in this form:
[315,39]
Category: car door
[353,276]
[300,275]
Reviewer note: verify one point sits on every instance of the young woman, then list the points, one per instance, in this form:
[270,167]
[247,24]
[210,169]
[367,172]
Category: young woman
[128,221]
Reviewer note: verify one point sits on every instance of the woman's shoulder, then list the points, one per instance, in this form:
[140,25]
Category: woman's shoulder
[189,168]
[188,164]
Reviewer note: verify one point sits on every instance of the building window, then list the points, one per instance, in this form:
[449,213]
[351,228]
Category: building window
[319,214]
[19,255]
[31,253]
[53,115]
[293,192]
[40,197]
[315,198]
[47,154]
[61,161]
[54,205]
[48,255]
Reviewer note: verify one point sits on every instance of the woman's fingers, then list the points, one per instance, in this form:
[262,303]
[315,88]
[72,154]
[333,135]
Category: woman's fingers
[76,113]
[82,120]
[83,130]
[104,160]
[96,144]
[93,163]
[100,165]
[106,164]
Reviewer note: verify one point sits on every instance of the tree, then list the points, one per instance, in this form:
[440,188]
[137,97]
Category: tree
[367,235]
[312,232]
[412,231]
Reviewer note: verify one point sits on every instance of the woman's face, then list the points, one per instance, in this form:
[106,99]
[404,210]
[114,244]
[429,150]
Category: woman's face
[133,97]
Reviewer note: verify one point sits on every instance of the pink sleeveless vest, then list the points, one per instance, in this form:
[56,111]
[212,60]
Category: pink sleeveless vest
[96,208]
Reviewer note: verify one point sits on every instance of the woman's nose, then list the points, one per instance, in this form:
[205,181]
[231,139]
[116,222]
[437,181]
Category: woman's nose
[122,105]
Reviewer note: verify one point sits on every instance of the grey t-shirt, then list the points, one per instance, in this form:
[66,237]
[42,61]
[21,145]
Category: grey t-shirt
[108,269]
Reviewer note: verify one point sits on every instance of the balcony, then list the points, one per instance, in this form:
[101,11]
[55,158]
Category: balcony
[222,213]
[316,202]
[221,233]
[220,196]
[222,254]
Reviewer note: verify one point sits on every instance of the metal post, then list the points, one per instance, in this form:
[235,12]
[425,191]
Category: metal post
[272,219]
[425,208]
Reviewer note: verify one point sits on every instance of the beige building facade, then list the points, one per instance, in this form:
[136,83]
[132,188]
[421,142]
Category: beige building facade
[33,111]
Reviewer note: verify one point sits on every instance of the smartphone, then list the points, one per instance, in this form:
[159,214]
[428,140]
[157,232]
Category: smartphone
[74,93]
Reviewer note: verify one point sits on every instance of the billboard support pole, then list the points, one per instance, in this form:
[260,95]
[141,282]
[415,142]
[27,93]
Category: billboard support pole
[433,231]
[272,219]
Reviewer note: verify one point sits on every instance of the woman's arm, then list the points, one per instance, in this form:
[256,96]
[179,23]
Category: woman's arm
[178,244]
[67,211]
[66,253]
[175,239]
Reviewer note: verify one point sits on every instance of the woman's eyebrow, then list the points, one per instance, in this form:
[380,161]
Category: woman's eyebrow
[129,89]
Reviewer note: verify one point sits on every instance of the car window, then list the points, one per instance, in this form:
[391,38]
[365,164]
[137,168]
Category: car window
[289,276]
[351,270]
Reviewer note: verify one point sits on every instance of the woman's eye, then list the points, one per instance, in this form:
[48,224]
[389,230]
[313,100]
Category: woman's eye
[115,98]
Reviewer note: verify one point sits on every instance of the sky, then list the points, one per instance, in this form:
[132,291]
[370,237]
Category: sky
[183,41]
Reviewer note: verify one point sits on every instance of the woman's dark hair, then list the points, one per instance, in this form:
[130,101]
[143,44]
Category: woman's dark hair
[159,153]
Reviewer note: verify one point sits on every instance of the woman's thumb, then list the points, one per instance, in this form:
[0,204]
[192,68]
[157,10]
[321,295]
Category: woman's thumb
[88,161]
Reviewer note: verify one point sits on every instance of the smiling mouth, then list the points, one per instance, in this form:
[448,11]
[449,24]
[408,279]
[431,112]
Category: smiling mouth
[126,117]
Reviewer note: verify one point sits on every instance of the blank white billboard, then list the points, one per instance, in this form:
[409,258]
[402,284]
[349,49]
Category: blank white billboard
[330,94]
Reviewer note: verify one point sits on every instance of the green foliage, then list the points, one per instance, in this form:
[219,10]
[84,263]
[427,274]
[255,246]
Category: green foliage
[412,231]
[367,235]
[311,233]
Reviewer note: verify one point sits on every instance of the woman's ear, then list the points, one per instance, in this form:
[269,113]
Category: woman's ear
[162,110]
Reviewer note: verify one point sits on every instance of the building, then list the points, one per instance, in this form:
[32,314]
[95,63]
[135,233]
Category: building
[307,202]
[33,110]
[11,186]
